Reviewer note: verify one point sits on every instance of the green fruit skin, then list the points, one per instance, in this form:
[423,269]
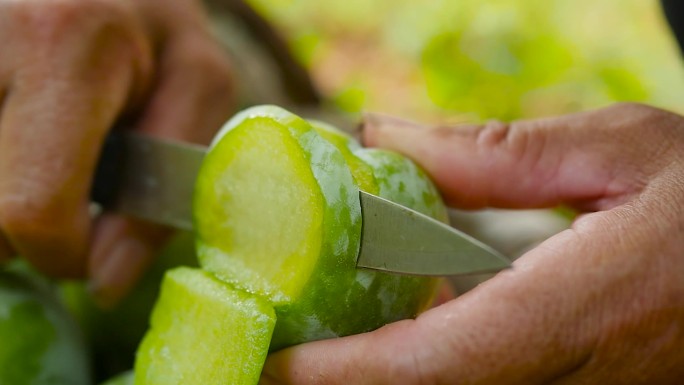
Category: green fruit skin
[400,180]
[40,343]
[362,172]
[113,335]
[337,299]
[353,301]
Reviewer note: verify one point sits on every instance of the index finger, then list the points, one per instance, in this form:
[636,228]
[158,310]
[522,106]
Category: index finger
[52,125]
[590,160]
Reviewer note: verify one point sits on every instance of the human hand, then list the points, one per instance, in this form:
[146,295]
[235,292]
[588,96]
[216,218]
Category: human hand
[70,70]
[600,303]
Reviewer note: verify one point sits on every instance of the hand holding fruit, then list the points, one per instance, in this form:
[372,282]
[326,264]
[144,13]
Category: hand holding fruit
[602,302]
[70,70]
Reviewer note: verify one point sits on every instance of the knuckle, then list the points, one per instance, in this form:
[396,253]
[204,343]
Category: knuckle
[32,217]
[513,139]
[642,115]
[78,39]
[494,133]
[64,20]
[46,228]
[661,126]
[214,64]
[632,106]
[49,18]
[204,57]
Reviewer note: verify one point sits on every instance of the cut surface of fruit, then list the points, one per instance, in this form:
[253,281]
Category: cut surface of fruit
[203,332]
[39,342]
[266,214]
[272,197]
[296,196]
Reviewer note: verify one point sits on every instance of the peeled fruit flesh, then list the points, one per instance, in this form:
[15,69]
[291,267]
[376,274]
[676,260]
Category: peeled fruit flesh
[272,196]
[203,332]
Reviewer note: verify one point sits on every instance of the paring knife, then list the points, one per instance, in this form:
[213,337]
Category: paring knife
[153,179]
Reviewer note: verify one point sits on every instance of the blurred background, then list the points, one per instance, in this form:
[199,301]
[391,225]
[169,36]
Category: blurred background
[468,60]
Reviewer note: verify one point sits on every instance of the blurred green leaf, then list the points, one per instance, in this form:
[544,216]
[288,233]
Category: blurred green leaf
[503,59]
[622,84]
[350,99]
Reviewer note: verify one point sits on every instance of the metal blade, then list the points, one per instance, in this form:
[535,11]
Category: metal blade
[153,179]
[400,240]
[150,178]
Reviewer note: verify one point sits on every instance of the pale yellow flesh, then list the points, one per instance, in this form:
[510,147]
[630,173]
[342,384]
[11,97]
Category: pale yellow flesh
[267,212]
[203,332]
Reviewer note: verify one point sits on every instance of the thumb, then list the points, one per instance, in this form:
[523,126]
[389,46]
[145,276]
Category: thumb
[517,328]
[586,160]
[389,355]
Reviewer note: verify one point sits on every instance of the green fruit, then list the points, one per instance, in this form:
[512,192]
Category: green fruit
[401,181]
[126,378]
[272,196]
[361,171]
[277,214]
[379,298]
[39,342]
[203,332]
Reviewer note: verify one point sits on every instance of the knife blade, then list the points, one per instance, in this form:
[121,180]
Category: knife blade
[417,244]
[148,177]
[153,178]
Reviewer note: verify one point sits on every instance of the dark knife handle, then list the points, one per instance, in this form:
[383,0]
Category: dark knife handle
[109,169]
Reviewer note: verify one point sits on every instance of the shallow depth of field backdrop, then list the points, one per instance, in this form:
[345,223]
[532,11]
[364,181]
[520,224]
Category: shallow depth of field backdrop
[467,60]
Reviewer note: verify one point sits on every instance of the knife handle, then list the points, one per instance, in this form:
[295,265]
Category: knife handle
[109,170]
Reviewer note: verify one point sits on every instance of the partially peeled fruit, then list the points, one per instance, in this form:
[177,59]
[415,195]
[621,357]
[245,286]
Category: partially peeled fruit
[278,221]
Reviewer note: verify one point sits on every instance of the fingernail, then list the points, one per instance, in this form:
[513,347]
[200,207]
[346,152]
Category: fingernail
[119,272]
[376,127]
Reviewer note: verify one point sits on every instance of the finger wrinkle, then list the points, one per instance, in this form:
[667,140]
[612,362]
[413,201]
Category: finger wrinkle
[493,134]
[409,358]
